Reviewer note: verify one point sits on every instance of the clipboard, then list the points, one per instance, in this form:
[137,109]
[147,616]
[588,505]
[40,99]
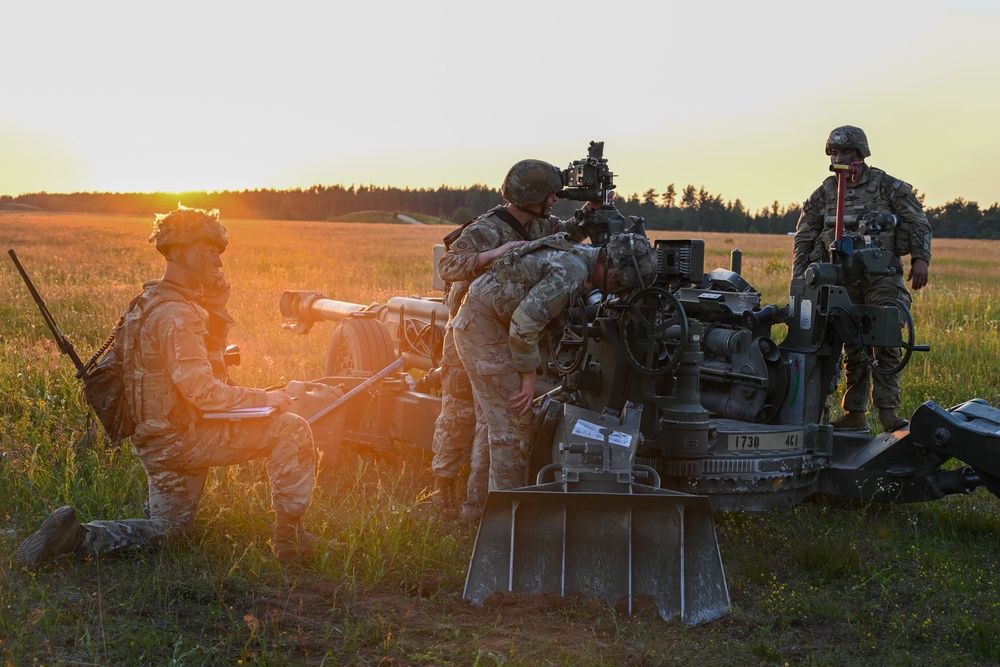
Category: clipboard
[242,413]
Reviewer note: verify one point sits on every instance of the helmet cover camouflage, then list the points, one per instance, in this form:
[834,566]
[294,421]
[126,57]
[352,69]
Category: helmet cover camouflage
[531,182]
[848,136]
[633,259]
[186,226]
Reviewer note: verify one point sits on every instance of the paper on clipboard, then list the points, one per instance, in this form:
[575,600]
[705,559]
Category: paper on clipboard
[242,413]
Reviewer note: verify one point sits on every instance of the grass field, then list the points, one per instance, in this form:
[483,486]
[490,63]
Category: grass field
[826,583]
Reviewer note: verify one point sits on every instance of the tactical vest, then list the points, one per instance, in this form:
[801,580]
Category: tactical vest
[139,380]
[875,195]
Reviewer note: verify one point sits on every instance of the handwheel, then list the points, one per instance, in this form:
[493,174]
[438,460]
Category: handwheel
[568,338]
[359,344]
[905,322]
[643,327]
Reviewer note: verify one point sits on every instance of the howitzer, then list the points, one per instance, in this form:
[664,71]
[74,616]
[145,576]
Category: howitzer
[682,388]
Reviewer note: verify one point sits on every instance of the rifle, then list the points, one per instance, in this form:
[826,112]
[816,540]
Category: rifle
[65,346]
[103,385]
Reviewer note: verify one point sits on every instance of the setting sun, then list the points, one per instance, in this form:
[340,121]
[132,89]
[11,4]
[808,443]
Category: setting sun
[738,98]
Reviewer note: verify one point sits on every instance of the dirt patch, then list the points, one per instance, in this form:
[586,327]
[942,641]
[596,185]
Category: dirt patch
[542,629]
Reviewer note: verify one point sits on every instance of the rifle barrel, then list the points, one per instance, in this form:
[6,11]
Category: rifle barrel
[65,346]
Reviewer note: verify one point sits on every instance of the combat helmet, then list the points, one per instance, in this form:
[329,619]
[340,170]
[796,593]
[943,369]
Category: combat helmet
[848,136]
[531,182]
[186,226]
[633,259]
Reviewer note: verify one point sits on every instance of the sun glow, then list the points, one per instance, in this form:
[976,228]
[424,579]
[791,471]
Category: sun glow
[219,96]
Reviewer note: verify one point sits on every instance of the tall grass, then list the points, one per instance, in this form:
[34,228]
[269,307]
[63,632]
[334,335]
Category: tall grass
[825,583]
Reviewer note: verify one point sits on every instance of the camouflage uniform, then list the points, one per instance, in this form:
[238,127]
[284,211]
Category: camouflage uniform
[497,331]
[171,342]
[457,430]
[173,373]
[874,191]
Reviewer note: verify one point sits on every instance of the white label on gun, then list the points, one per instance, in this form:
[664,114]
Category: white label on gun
[806,314]
[586,429]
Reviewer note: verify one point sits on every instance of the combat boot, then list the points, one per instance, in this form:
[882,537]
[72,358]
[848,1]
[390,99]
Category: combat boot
[59,534]
[853,420]
[444,495]
[890,421]
[292,542]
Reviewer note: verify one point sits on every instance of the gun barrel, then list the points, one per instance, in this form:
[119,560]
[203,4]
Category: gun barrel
[64,345]
[311,307]
[415,325]
[424,310]
[303,306]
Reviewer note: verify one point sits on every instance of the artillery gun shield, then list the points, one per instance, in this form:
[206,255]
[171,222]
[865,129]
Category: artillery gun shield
[650,542]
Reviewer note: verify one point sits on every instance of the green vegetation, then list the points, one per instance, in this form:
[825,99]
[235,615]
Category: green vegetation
[825,583]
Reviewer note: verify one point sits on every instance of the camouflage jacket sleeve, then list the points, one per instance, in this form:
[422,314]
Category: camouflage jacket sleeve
[489,232]
[541,305]
[459,263]
[180,332]
[807,246]
[914,232]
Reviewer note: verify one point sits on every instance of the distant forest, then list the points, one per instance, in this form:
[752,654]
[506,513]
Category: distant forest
[690,210]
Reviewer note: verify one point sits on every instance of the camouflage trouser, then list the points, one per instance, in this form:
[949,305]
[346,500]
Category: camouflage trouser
[479,467]
[177,473]
[456,425]
[885,390]
[454,431]
[484,347]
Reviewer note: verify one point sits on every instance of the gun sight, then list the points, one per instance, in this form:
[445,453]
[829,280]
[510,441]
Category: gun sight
[589,179]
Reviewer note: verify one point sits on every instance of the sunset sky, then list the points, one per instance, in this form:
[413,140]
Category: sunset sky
[737,97]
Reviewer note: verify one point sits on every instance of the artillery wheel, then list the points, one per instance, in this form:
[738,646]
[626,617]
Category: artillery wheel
[909,338]
[568,338]
[648,315]
[359,344]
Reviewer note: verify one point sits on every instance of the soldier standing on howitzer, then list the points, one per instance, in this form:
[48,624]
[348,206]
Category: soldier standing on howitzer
[868,189]
[507,308]
[530,189]
[173,372]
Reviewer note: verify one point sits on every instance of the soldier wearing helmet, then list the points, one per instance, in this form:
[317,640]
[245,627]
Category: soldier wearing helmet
[632,259]
[848,137]
[170,342]
[186,227]
[530,189]
[498,327]
[531,186]
[868,189]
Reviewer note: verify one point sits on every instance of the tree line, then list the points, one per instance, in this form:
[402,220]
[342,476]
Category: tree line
[689,209]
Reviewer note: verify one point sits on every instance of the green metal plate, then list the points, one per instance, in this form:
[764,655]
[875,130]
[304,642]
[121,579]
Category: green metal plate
[765,441]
